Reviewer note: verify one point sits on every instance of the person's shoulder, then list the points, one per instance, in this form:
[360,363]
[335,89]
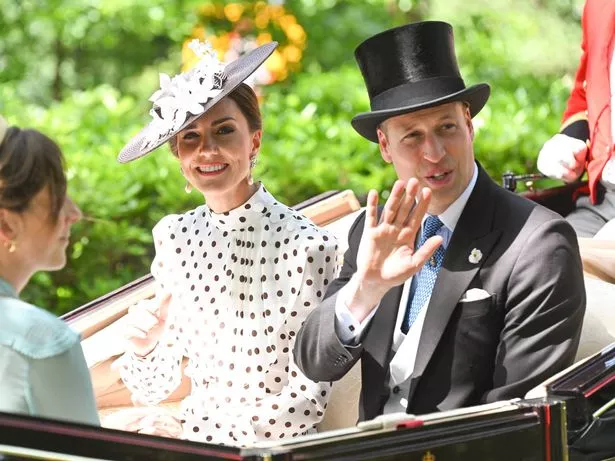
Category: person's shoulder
[303,231]
[525,217]
[539,212]
[33,332]
[166,225]
[317,240]
[169,226]
[517,205]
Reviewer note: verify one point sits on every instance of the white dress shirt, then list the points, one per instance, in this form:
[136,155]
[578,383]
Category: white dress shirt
[608,173]
[405,346]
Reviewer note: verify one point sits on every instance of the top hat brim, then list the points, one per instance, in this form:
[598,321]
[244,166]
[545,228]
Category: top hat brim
[235,73]
[366,123]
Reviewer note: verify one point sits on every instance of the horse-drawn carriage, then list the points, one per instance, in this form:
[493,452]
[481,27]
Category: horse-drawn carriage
[529,429]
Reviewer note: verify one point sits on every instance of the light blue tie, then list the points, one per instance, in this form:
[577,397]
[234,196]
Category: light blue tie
[426,278]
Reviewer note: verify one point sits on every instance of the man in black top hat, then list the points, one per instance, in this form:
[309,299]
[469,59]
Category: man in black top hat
[497,308]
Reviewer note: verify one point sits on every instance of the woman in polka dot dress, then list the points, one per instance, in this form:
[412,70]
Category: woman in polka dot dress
[235,280]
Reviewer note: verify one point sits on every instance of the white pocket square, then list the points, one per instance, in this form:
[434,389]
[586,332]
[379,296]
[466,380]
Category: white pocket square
[474,294]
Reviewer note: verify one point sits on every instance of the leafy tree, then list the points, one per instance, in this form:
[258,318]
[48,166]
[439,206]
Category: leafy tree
[81,71]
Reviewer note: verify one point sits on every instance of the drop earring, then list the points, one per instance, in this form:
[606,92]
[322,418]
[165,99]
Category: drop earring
[188,186]
[252,165]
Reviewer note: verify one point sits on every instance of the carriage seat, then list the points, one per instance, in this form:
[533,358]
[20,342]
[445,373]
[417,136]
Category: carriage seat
[100,327]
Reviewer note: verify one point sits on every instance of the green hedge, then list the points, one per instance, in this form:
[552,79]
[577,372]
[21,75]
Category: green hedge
[308,146]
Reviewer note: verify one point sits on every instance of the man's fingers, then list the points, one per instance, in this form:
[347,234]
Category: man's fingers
[581,154]
[371,209]
[570,162]
[415,219]
[570,175]
[408,201]
[425,252]
[571,169]
[392,204]
[561,154]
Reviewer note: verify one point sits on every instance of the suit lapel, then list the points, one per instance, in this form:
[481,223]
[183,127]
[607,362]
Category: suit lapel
[473,231]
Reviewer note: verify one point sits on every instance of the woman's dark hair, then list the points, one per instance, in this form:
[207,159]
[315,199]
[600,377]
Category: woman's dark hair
[29,161]
[246,100]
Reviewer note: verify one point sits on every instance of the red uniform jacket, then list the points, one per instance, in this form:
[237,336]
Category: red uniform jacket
[588,113]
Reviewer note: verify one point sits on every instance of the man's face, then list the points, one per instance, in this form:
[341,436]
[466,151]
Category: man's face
[434,146]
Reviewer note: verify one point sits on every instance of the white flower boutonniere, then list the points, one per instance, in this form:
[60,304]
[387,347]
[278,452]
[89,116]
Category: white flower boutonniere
[475,256]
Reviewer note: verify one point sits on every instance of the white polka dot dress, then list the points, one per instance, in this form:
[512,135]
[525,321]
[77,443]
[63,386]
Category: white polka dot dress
[242,284]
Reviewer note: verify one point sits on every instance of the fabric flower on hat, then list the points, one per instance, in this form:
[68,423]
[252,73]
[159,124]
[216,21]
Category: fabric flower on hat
[184,94]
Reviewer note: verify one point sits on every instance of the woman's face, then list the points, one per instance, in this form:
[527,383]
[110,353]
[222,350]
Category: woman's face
[41,239]
[214,153]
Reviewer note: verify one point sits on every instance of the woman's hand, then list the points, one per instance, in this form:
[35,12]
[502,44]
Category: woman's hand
[145,323]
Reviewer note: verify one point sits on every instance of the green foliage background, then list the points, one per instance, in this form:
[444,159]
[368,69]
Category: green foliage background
[81,71]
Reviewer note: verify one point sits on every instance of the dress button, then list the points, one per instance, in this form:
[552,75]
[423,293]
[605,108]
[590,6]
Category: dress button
[396,390]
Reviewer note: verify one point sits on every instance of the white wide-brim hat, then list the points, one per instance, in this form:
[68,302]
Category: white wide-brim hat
[189,95]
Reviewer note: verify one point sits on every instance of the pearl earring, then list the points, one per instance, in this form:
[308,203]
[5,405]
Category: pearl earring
[11,246]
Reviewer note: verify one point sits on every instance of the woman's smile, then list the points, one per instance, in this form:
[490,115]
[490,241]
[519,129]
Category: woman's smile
[211,169]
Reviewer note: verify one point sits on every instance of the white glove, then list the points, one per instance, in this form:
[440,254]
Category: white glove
[145,323]
[563,157]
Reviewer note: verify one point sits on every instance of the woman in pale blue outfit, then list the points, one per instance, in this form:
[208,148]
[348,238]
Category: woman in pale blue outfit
[42,367]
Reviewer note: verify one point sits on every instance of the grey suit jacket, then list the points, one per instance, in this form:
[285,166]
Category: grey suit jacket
[472,352]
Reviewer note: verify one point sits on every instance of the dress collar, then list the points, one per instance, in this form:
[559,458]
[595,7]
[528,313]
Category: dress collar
[260,204]
[7,290]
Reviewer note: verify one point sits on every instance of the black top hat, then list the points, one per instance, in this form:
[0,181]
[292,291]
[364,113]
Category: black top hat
[189,95]
[409,68]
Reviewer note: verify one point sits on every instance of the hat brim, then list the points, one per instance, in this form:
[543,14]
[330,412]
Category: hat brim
[236,72]
[366,123]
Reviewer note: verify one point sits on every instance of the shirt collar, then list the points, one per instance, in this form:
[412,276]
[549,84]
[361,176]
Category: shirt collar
[451,215]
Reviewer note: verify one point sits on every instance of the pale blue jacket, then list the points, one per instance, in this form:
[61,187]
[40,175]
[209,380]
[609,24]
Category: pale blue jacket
[42,368]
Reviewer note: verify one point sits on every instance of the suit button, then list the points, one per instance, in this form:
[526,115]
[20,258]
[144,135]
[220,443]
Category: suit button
[396,390]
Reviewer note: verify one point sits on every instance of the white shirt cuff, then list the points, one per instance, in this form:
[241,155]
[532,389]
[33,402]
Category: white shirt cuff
[348,329]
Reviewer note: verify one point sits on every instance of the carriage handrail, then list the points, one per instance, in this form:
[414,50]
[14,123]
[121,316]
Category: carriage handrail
[510,179]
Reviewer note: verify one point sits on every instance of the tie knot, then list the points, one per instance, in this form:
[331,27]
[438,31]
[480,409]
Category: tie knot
[431,225]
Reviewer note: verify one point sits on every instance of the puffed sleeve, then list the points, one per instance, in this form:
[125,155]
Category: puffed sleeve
[151,379]
[301,403]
